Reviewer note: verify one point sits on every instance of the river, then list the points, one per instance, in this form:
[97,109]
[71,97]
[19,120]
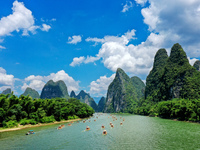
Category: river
[136,133]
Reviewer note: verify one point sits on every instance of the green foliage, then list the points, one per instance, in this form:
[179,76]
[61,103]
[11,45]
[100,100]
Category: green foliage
[73,117]
[172,77]
[154,77]
[10,124]
[48,119]
[26,110]
[181,109]
[139,87]
[27,121]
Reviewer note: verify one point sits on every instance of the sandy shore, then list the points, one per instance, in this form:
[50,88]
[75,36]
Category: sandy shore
[37,125]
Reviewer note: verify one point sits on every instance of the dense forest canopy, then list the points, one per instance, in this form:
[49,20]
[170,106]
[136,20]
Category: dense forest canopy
[25,110]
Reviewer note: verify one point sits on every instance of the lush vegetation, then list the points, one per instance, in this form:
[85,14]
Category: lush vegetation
[181,109]
[172,87]
[25,110]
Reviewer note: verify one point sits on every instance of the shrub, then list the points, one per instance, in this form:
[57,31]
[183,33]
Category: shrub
[47,119]
[10,124]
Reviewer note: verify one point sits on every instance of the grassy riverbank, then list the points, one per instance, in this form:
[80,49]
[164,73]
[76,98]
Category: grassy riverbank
[37,125]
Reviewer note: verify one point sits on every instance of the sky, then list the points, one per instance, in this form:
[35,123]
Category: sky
[84,42]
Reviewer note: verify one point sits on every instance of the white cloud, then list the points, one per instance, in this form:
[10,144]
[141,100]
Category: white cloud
[74,39]
[38,82]
[124,39]
[2,47]
[178,21]
[45,27]
[141,2]
[192,61]
[77,61]
[33,77]
[5,79]
[115,52]
[34,84]
[53,19]
[100,86]
[20,19]
[127,6]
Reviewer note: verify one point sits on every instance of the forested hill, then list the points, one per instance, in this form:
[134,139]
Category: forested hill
[54,89]
[123,93]
[172,77]
[31,92]
[172,87]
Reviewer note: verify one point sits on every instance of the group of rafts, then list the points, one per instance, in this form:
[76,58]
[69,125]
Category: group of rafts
[103,127]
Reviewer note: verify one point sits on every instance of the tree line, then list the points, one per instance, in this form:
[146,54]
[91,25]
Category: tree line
[25,110]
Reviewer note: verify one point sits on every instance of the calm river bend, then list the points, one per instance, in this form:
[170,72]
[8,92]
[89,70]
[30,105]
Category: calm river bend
[136,133]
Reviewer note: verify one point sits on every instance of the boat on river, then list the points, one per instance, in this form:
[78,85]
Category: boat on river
[104,132]
[30,132]
[87,128]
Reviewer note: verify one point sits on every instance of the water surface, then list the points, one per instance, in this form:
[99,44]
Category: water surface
[137,132]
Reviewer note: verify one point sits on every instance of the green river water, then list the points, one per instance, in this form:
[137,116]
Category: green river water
[136,133]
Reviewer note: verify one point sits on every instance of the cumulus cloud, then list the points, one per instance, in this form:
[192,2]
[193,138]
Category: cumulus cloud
[77,61]
[38,82]
[21,19]
[45,27]
[178,21]
[100,86]
[115,52]
[127,6]
[74,39]
[6,80]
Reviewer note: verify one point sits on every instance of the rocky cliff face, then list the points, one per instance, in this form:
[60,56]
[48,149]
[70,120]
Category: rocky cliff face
[121,94]
[54,89]
[177,79]
[7,91]
[197,65]
[31,92]
[101,104]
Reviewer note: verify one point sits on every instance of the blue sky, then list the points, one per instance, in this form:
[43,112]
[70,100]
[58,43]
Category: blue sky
[84,42]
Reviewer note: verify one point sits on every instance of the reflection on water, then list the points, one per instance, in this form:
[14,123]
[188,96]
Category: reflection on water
[137,132]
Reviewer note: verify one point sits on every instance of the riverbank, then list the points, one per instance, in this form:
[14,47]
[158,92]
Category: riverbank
[37,125]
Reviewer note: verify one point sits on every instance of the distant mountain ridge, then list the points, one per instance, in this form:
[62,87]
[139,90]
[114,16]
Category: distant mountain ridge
[85,98]
[31,92]
[7,91]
